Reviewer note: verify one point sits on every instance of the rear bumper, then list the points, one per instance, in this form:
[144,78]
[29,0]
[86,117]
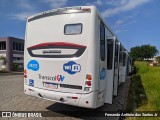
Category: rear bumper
[81,100]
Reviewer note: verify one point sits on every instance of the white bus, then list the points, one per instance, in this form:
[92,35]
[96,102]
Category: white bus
[71,57]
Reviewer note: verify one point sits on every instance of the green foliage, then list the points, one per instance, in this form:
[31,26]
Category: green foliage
[143,52]
[150,79]
[15,66]
[146,90]
[4,59]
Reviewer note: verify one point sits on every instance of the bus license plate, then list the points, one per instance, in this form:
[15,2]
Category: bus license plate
[50,85]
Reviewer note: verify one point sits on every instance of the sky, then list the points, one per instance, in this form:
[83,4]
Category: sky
[135,22]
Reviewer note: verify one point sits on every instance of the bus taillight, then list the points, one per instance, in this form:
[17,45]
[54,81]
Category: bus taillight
[88,83]
[88,77]
[25,76]
[25,73]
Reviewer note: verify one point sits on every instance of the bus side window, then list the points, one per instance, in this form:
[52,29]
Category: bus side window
[102,41]
[109,54]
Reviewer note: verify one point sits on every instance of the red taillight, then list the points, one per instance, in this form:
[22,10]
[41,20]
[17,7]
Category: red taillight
[25,73]
[88,83]
[74,97]
[25,76]
[60,44]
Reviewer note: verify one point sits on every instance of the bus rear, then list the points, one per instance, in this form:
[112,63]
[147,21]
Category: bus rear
[56,51]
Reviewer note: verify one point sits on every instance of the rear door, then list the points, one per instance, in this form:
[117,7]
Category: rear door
[102,75]
[116,68]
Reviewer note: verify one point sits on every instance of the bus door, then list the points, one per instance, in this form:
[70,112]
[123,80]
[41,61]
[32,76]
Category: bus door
[102,65]
[120,65]
[124,66]
[116,67]
[110,70]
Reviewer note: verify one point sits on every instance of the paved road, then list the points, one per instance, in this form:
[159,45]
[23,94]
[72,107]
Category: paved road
[12,98]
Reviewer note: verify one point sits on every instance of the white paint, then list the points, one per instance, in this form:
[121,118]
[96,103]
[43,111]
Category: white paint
[51,29]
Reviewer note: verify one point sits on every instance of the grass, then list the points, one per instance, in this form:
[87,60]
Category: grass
[146,89]
[150,77]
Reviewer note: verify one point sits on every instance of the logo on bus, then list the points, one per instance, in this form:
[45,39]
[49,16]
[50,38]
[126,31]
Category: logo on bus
[71,67]
[31,82]
[103,74]
[33,65]
[59,78]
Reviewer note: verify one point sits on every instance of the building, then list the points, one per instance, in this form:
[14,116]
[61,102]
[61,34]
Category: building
[13,50]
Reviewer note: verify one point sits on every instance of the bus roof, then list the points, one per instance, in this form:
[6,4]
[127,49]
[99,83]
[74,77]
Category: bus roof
[66,10]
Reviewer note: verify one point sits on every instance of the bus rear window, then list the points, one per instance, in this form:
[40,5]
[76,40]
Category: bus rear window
[72,29]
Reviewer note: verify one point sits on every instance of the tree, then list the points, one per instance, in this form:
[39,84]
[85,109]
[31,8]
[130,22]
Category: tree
[143,52]
[3,59]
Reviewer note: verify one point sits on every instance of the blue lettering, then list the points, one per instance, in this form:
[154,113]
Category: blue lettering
[62,78]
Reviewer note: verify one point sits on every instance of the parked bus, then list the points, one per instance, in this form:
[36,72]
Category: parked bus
[72,57]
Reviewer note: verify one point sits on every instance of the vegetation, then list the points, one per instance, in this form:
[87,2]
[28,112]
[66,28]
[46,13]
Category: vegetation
[3,62]
[3,59]
[145,91]
[15,67]
[143,52]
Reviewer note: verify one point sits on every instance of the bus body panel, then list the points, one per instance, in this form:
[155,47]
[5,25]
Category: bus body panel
[41,31]
[57,65]
[53,68]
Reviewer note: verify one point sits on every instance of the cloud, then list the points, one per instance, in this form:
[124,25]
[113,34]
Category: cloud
[124,20]
[123,6]
[29,10]
[56,3]
[116,2]
[120,24]
[24,4]
[120,30]
[96,3]
[130,22]
[21,16]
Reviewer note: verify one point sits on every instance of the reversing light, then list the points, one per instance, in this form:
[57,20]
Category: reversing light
[86,89]
[88,83]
